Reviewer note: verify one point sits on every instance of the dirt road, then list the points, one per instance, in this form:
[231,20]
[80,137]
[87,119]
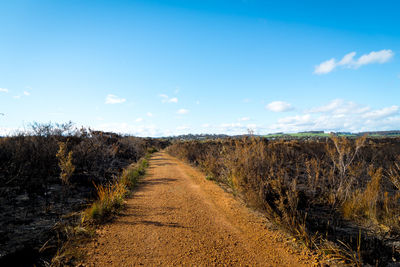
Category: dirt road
[176,217]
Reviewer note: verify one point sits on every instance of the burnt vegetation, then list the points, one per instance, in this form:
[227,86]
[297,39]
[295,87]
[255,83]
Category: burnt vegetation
[339,196]
[50,172]
[336,195]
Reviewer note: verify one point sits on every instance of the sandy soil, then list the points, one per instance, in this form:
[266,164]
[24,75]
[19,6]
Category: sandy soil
[177,217]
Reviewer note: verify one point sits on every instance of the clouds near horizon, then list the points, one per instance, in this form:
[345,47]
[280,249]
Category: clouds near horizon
[340,115]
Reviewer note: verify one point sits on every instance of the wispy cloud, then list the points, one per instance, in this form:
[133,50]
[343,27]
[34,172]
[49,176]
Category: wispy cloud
[183,128]
[149,114]
[4,90]
[279,106]
[182,111]
[231,125]
[382,113]
[113,99]
[244,119]
[339,106]
[348,61]
[134,129]
[139,119]
[166,99]
[27,93]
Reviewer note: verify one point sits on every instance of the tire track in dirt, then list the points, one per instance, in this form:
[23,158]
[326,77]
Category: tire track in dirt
[176,217]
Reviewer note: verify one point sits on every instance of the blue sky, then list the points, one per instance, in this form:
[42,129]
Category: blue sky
[156,68]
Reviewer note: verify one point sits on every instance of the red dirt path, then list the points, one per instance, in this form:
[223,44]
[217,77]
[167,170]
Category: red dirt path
[176,217]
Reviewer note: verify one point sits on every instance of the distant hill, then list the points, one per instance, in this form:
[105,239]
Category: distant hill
[304,134]
[198,137]
[382,133]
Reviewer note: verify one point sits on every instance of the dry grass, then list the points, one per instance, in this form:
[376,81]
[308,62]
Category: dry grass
[110,201]
[110,197]
[363,203]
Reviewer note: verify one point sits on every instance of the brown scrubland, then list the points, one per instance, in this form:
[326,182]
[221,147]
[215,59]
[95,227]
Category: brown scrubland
[337,195]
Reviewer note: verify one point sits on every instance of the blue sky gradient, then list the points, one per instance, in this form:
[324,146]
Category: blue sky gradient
[156,68]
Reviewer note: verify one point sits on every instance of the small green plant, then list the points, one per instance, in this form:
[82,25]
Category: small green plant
[210,178]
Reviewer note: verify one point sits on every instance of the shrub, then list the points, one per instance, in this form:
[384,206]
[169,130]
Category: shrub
[65,162]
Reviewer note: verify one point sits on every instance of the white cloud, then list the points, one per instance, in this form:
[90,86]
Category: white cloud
[382,113]
[139,119]
[339,106]
[348,61]
[232,128]
[227,125]
[167,99]
[27,93]
[149,114]
[113,99]
[182,111]
[380,57]
[137,130]
[334,104]
[4,90]
[279,106]
[182,128]
[244,119]
[251,125]
[325,67]
[17,96]
[205,125]
[238,128]
[173,100]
